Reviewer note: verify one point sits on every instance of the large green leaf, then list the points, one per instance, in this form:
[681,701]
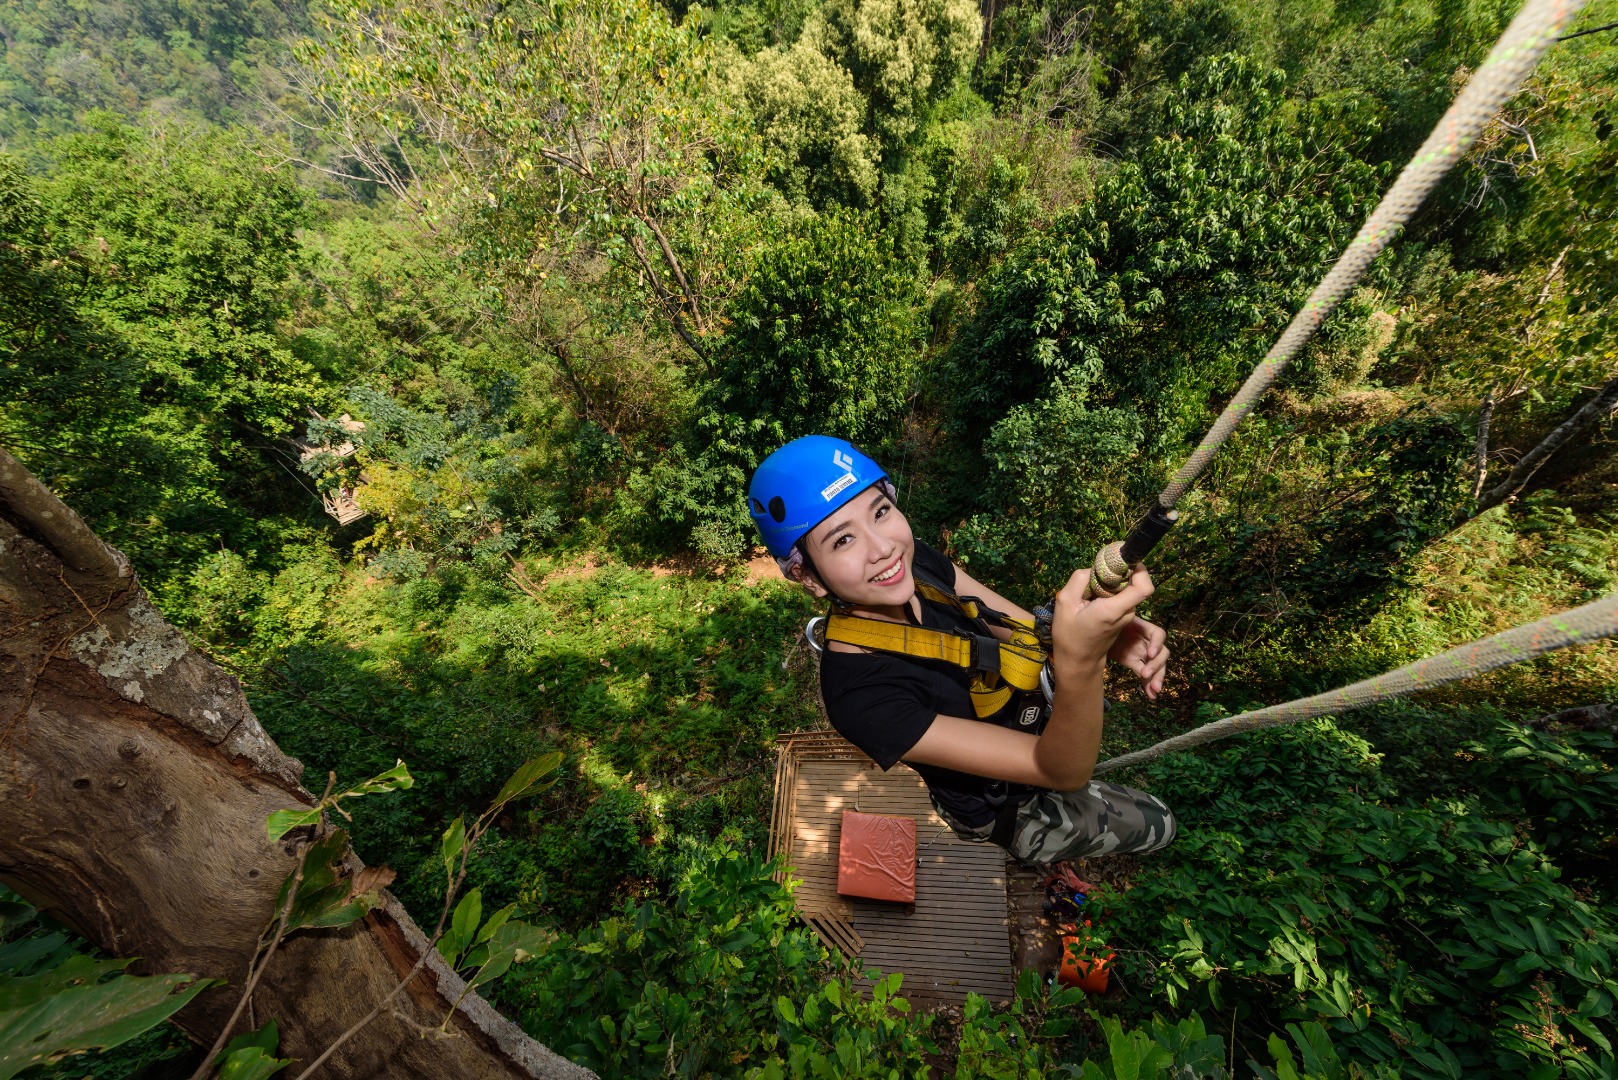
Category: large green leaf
[33,953]
[531,777]
[463,927]
[454,843]
[69,1009]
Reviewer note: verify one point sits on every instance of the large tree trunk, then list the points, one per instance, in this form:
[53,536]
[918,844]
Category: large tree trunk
[134,784]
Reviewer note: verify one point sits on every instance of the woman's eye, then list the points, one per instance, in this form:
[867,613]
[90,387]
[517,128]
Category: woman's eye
[841,540]
[882,512]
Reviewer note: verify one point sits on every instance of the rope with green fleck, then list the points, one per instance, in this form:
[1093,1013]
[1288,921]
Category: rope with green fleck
[1582,625]
[1508,65]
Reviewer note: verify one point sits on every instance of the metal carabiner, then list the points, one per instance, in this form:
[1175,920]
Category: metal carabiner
[809,633]
[1047,683]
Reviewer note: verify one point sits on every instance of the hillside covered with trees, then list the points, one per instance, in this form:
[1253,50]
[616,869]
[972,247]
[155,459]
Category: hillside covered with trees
[575,266]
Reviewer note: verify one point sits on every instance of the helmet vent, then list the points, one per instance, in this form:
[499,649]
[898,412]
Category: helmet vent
[758,507]
[778,509]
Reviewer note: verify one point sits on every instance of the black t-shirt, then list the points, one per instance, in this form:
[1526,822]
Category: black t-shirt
[884,703]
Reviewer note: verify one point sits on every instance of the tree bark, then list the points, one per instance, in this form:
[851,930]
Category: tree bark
[134,784]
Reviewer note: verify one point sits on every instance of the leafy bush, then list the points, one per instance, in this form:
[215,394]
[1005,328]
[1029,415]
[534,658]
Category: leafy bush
[1162,289]
[823,338]
[686,985]
[1431,936]
[1062,468]
[439,487]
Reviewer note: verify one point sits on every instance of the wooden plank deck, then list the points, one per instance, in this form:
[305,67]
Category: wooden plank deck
[954,939]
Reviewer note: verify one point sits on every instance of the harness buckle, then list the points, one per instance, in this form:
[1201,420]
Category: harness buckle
[985,654]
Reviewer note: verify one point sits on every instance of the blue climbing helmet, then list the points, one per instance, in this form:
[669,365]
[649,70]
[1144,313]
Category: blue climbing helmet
[798,487]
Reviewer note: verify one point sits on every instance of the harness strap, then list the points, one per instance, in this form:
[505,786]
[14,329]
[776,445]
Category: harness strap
[1005,824]
[999,668]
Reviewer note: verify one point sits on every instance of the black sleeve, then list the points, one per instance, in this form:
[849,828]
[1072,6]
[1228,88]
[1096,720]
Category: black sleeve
[878,703]
[935,565]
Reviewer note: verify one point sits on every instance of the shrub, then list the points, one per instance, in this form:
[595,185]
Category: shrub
[1428,935]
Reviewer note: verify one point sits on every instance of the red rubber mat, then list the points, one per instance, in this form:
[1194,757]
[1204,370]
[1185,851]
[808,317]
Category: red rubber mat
[876,857]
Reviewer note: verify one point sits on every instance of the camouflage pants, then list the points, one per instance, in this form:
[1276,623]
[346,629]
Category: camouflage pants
[1101,819]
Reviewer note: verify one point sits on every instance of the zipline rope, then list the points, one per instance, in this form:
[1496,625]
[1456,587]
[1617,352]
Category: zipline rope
[1582,625]
[1508,65]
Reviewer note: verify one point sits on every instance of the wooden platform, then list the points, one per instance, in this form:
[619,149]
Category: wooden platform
[954,939]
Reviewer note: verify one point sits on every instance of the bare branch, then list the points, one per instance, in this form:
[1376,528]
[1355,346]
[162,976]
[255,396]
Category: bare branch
[1480,451]
[1593,410]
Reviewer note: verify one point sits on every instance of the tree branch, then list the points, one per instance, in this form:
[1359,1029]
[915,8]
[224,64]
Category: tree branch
[1593,410]
[1480,451]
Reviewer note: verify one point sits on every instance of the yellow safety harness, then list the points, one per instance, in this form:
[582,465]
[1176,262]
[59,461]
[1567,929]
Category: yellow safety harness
[999,669]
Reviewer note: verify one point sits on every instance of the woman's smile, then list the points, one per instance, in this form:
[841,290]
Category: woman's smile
[893,574]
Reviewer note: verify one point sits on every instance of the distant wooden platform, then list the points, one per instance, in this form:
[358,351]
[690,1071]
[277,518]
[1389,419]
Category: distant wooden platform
[955,938]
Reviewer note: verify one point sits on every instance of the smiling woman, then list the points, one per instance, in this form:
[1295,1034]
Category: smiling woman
[925,665]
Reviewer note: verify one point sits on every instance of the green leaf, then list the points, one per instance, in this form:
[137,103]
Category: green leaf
[69,1009]
[251,1056]
[22,957]
[514,943]
[281,822]
[454,843]
[1590,1031]
[324,899]
[530,778]
[468,913]
[397,778]
[250,1064]
[266,1038]
[1125,1057]
[496,921]
[1028,984]
[463,927]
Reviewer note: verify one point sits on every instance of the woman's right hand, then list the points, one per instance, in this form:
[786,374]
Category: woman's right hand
[1083,629]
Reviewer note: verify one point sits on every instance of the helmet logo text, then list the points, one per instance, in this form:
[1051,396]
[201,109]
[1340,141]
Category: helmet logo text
[830,491]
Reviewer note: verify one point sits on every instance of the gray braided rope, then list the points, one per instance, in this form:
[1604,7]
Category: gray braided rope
[1509,63]
[1593,621]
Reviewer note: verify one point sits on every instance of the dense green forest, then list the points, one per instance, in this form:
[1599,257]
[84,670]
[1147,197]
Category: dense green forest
[577,265]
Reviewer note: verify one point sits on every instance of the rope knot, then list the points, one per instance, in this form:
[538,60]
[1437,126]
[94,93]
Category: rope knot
[1110,572]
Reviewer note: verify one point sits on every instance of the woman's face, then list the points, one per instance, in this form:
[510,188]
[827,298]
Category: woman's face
[862,552]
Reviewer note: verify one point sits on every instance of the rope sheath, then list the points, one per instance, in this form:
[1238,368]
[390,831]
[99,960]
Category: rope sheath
[1593,621]
[1509,63]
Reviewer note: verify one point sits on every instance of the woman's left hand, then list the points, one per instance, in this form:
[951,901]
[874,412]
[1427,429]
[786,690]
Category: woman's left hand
[1140,648]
